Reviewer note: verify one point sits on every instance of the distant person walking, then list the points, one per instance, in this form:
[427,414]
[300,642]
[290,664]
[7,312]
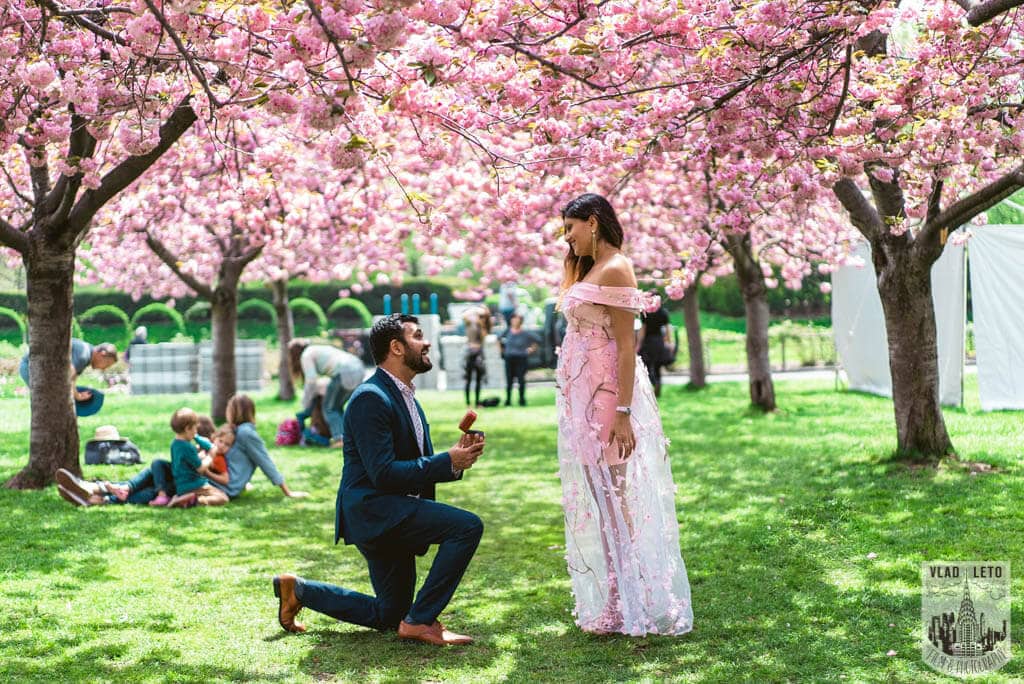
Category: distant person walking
[508,300]
[517,345]
[652,347]
[478,326]
[82,356]
[310,362]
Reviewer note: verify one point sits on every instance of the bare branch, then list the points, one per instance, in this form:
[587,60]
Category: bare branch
[12,237]
[846,89]
[14,188]
[334,41]
[193,67]
[122,175]
[78,18]
[964,210]
[863,214]
[554,67]
[888,195]
[935,200]
[979,13]
[172,262]
[40,175]
[82,145]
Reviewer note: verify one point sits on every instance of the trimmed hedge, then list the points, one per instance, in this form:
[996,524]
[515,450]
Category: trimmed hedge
[257,305]
[307,304]
[200,311]
[365,317]
[110,310]
[18,319]
[722,297]
[159,308]
[324,294]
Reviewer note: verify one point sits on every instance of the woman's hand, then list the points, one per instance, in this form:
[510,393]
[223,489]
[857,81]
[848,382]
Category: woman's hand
[291,493]
[622,435]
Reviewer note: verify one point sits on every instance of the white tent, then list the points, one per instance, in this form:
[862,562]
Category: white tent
[997,266]
[858,324]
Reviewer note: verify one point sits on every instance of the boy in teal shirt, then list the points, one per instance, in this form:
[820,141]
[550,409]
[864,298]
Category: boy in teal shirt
[189,470]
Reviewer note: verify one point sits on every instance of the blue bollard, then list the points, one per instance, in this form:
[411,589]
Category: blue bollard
[405,303]
[387,305]
[415,303]
[433,303]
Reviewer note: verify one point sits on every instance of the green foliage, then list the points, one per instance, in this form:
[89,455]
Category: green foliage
[324,294]
[200,311]
[724,297]
[803,343]
[778,514]
[18,321]
[260,305]
[306,304]
[791,343]
[159,308]
[1004,214]
[101,310]
[360,310]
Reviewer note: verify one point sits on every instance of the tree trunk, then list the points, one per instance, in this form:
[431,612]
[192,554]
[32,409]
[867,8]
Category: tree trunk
[285,333]
[906,294]
[691,315]
[762,389]
[224,319]
[755,301]
[53,443]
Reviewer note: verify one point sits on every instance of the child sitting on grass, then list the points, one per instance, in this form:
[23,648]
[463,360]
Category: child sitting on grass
[216,458]
[189,470]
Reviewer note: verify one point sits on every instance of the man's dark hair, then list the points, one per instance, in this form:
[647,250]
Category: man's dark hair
[387,329]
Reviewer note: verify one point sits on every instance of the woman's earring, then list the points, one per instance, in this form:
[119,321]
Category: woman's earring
[593,245]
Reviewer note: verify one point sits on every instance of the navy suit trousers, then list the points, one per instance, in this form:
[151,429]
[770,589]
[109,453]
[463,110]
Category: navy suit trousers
[392,565]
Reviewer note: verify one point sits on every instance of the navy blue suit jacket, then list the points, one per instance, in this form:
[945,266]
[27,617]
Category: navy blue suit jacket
[383,465]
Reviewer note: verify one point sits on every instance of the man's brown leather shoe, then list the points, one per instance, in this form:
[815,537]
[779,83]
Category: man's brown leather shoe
[288,605]
[434,634]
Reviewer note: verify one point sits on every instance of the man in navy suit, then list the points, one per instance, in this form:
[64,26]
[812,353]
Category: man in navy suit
[386,502]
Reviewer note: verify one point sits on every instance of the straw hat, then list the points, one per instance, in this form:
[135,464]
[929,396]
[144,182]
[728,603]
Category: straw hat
[106,433]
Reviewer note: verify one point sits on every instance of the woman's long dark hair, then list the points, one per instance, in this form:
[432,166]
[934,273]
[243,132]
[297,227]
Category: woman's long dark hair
[608,228]
[295,349]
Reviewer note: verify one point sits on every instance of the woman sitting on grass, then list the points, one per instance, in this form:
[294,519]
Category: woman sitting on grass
[249,452]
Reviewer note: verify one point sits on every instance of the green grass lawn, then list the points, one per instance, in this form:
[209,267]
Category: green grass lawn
[777,516]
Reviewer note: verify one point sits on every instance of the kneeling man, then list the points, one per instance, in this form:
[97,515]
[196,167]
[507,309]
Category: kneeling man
[386,502]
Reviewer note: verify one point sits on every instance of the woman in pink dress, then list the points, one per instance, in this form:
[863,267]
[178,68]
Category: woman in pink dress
[621,533]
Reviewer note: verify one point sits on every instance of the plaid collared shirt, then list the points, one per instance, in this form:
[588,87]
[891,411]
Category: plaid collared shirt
[409,395]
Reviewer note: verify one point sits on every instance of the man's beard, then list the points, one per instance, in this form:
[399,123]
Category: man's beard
[415,361]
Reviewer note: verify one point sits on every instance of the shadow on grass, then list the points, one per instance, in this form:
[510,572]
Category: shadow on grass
[778,515]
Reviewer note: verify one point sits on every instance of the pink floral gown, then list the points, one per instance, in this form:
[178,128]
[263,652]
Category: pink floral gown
[621,532]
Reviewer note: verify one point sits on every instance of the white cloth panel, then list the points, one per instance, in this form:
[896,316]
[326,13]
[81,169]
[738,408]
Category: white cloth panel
[858,325]
[997,281]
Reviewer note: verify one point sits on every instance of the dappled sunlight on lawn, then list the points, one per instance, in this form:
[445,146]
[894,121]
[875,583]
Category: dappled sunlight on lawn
[803,542]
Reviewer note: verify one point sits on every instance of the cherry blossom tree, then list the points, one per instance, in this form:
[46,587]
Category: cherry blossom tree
[257,206]
[914,105]
[94,92]
[92,95]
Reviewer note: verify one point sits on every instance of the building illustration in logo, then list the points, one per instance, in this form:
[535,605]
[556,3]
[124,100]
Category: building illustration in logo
[964,633]
[965,616]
